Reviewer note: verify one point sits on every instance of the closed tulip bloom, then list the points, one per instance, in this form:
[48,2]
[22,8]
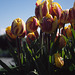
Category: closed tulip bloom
[18,27]
[32,24]
[30,38]
[49,24]
[64,16]
[9,33]
[55,10]
[59,62]
[72,14]
[42,9]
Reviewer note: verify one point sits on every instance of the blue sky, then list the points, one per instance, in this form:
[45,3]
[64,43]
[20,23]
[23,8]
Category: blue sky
[12,9]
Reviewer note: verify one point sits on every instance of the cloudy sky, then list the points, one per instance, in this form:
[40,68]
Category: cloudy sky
[12,9]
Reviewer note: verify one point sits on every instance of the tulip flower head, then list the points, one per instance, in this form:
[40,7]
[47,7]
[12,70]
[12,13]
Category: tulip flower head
[55,10]
[64,16]
[49,24]
[9,33]
[41,10]
[61,42]
[18,27]
[59,62]
[32,24]
[30,38]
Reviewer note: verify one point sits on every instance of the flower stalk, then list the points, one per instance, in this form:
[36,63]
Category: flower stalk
[18,50]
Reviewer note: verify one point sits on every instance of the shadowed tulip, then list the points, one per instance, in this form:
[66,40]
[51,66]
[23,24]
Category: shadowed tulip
[59,62]
[31,37]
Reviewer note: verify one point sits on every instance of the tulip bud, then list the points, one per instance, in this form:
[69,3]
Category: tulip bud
[18,27]
[49,24]
[32,24]
[55,10]
[72,14]
[58,60]
[9,33]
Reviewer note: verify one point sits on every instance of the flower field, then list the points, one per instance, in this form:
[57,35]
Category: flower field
[50,51]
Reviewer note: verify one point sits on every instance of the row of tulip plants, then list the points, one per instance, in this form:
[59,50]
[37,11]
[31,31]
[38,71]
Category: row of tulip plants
[51,50]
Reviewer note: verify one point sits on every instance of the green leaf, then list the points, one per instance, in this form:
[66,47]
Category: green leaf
[73,33]
[50,58]
[65,38]
[21,55]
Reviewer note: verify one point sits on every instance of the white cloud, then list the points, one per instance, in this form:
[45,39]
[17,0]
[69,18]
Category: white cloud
[2,31]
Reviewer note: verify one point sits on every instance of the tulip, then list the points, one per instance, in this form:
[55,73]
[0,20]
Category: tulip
[18,27]
[9,33]
[30,38]
[32,24]
[42,9]
[61,42]
[55,10]
[59,62]
[72,14]
[64,18]
[49,24]
[67,31]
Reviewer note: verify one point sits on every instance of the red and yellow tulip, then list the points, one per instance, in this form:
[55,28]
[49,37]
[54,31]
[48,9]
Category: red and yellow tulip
[32,24]
[31,37]
[42,8]
[18,27]
[49,24]
[55,10]
[9,33]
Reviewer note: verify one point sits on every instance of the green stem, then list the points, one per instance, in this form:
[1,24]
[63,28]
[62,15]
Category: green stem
[18,50]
